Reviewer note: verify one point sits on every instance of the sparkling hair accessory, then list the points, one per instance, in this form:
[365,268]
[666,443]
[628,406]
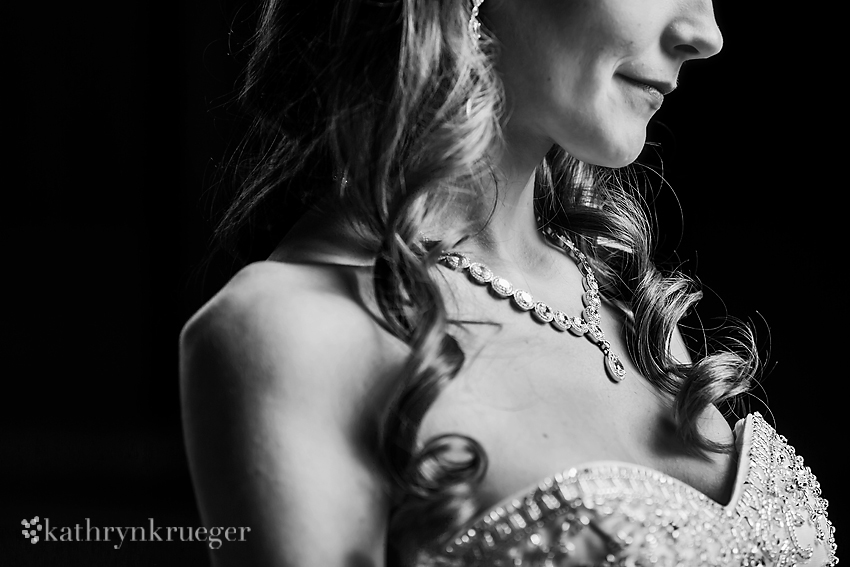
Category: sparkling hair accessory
[474,22]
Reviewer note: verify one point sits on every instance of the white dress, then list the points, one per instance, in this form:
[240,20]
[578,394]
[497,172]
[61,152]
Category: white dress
[612,513]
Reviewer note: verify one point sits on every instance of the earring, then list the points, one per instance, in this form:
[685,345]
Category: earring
[474,23]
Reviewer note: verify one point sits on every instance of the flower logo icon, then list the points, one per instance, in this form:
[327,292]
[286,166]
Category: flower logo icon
[30,529]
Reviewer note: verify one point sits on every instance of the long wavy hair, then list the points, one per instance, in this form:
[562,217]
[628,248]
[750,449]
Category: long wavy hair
[390,111]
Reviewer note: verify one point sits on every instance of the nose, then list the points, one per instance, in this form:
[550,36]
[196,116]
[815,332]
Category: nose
[694,34]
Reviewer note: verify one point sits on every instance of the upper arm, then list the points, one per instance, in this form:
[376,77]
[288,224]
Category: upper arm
[276,392]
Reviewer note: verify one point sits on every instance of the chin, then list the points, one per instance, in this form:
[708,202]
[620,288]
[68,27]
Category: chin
[614,159]
[618,153]
[623,160]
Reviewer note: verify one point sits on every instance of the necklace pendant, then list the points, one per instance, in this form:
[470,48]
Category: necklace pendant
[614,367]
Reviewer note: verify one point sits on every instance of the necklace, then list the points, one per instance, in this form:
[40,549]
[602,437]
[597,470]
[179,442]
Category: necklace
[588,324]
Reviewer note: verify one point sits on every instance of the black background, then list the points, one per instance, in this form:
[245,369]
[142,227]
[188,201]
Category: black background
[117,118]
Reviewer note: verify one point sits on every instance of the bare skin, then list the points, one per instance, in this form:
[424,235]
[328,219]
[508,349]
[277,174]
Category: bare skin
[284,372]
[527,389]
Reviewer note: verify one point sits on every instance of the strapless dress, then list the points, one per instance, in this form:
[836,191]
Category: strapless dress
[619,514]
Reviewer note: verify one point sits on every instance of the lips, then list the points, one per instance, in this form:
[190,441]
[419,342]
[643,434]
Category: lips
[662,87]
[655,90]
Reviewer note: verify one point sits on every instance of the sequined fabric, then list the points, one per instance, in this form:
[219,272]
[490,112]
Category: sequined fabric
[627,515]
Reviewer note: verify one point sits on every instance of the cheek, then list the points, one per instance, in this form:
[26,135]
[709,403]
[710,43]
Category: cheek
[595,118]
[560,84]
[584,62]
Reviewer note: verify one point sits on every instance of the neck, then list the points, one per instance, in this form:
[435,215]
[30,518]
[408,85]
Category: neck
[512,237]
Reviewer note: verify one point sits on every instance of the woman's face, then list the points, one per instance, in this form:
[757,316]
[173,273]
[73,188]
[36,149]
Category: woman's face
[589,74]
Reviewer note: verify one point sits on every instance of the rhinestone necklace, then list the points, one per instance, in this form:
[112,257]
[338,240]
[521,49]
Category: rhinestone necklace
[588,324]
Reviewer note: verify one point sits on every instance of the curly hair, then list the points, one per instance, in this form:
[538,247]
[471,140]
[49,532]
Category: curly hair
[392,110]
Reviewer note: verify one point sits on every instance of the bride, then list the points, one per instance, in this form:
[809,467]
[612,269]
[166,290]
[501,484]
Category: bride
[462,352]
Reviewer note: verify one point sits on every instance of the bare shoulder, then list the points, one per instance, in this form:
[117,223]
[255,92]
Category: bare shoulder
[303,319]
[306,301]
[281,381]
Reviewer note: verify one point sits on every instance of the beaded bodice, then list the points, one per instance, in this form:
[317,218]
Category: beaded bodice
[622,514]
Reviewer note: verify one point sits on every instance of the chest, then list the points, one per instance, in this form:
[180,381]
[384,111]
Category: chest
[539,401]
